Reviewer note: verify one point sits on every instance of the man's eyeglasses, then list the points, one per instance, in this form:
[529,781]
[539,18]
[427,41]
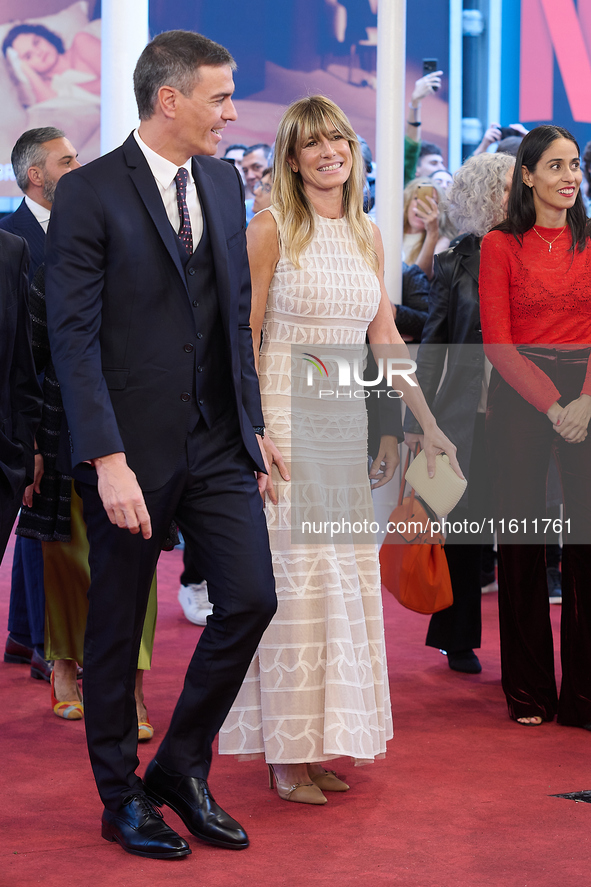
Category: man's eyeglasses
[265,187]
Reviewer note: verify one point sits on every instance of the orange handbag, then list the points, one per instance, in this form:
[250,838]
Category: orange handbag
[412,560]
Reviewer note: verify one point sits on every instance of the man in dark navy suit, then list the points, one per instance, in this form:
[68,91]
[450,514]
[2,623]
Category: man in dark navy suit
[39,159]
[20,395]
[148,303]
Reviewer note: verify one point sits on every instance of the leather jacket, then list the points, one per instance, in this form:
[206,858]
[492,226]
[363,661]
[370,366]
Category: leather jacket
[412,313]
[453,322]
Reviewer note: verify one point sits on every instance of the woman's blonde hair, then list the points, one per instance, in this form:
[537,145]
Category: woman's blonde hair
[446,229]
[476,195]
[314,117]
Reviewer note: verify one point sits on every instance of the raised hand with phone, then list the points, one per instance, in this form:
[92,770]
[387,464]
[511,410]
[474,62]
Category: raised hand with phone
[427,230]
[426,85]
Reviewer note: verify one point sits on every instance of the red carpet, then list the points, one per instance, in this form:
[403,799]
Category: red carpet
[461,800]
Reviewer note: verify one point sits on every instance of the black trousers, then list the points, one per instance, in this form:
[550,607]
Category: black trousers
[521,441]
[191,574]
[459,627]
[214,497]
[10,502]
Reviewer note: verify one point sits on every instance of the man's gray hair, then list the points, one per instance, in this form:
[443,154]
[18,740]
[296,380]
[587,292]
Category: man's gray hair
[173,59]
[30,151]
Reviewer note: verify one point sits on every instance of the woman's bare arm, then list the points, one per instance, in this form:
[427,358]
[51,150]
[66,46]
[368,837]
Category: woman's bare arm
[263,255]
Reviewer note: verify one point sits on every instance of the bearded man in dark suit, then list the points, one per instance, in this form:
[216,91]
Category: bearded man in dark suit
[20,395]
[148,302]
[40,158]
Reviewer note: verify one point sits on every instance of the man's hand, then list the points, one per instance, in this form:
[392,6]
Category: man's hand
[121,494]
[386,462]
[519,127]
[271,456]
[425,86]
[492,134]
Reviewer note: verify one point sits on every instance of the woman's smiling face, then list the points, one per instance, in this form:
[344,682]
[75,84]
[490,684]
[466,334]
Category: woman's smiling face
[556,180]
[324,161]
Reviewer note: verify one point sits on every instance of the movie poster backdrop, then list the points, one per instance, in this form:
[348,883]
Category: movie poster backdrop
[48,76]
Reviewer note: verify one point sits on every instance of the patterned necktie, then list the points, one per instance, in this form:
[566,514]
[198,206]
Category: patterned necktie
[185,233]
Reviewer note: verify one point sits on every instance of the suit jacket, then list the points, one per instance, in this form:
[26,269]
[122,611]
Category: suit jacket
[120,316]
[23,223]
[20,395]
[453,322]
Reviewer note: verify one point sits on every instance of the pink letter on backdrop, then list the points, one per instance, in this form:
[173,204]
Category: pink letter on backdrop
[547,24]
[536,81]
[584,13]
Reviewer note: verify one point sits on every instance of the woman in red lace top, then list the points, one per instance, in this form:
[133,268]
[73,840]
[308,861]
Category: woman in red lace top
[535,305]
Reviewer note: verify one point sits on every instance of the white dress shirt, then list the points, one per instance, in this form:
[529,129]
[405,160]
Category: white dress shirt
[164,172]
[40,212]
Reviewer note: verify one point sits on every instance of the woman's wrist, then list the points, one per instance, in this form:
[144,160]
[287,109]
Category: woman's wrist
[431,234]
[414,114]
[421,412]
[554,411]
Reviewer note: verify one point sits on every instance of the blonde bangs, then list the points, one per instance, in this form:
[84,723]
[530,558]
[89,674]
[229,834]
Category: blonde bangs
[314,117]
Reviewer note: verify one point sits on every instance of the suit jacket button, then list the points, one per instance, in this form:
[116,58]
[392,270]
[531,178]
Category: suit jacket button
[199,335]
[185,397]
[188,347]
[191,271]
[195,303]
[200,403]
[199,369]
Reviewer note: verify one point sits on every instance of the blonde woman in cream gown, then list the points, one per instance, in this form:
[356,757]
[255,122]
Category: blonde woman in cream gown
[317,688]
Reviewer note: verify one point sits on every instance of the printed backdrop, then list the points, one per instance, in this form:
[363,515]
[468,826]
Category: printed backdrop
[71,108]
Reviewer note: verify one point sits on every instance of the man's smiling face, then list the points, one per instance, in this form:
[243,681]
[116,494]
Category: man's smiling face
[202,116]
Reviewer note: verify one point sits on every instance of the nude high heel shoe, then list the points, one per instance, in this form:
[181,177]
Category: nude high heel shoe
[329,782]
[301,793]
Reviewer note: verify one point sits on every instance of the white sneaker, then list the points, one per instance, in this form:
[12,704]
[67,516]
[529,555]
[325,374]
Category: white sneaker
[195,603]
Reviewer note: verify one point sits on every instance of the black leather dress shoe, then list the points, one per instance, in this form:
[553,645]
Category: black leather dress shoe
[141,830]
[191,799]
[15,652]
[41,668]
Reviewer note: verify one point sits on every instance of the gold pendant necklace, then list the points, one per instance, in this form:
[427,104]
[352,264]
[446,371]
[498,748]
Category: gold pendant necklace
[549,242]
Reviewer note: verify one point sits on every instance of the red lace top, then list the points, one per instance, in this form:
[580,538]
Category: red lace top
[530,296]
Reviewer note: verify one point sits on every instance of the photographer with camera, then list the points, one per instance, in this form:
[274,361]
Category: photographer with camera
[497,133]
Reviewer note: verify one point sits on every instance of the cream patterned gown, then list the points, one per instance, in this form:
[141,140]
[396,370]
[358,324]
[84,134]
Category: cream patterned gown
[317,687]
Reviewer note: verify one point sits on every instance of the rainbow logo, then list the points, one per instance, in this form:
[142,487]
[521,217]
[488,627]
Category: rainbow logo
[317,363]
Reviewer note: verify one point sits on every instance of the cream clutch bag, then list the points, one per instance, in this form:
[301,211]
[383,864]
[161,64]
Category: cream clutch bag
[442,492]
